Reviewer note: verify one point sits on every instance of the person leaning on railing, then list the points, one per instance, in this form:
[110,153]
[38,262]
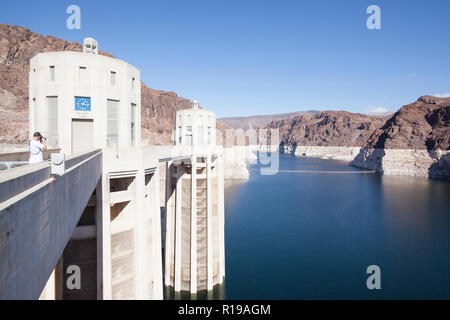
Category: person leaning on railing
[36,146]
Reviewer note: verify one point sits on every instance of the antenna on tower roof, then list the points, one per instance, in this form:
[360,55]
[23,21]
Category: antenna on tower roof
[90,45]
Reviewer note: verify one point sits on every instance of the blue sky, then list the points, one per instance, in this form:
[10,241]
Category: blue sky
[260,57]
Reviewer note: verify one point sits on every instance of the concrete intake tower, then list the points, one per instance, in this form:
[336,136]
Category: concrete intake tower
[195,251]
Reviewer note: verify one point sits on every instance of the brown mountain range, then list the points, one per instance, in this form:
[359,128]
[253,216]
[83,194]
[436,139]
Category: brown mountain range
[258,121]
[328,128]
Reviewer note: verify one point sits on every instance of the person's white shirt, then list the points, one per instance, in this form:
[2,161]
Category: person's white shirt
[36,154]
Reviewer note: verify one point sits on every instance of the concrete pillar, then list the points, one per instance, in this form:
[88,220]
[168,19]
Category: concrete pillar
[106,239]
[99,226]
[221,212]
[169,244]
[178,213]
[194,224]
[142,272]
[196,260]
[156,229]
[209,195]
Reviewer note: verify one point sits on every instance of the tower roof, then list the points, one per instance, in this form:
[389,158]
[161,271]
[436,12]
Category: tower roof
[90,45]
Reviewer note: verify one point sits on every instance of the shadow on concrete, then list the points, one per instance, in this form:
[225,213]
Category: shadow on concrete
[217,293]
[371,159]
[441,168]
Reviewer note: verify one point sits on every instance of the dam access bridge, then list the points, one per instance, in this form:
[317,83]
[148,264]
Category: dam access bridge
[87,223]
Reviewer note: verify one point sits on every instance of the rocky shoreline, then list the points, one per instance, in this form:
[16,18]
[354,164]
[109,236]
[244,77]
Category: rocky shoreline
[332,153]
[404,162]
[396,162]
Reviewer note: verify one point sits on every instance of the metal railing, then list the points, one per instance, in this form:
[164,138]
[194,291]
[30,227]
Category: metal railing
[12,160]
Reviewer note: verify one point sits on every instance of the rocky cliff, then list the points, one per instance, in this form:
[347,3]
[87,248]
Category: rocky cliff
[414,141]
[236,159]
[424,125]
[328,128]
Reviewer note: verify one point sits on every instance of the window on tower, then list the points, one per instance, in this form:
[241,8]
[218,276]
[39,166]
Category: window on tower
[112,123]
[113,78]
[52,73]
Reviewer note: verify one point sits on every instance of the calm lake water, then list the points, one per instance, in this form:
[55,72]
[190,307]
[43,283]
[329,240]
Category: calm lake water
[312,236]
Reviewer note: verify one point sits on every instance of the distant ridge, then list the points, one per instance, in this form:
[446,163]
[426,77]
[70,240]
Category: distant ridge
[327,128]
[421,125]
[261,120]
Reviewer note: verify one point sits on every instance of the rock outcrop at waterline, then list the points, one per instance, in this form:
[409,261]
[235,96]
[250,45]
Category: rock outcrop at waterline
[236,159]
[331,153]
[405,162]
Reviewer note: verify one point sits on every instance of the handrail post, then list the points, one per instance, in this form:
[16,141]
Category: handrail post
[58,161]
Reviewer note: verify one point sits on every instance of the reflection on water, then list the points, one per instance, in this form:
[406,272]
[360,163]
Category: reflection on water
[413,198]
[312,236]
[218,293]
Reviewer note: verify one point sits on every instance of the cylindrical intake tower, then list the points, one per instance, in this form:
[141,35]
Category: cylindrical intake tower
[195,249]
